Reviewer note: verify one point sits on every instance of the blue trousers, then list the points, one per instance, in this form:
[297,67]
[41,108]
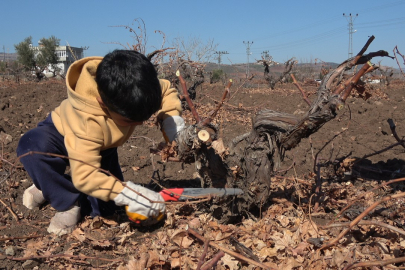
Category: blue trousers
[49,172]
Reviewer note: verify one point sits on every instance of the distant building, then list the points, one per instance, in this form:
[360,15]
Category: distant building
[66,56]
[8,57]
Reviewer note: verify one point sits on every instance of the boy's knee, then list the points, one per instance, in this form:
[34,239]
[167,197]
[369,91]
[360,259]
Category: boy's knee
[33,140]
[25,144]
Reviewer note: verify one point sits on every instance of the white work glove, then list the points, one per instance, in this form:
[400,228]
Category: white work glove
[139,208]
[171,126]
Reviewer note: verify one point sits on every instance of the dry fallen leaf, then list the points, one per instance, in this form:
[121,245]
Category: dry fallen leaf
[97,222]
[194,223]
[289,264]
[153,258]
[284,221]
[299,250]
[219,147]
[221,236]
[132,264]
[123,237]
[33,246]
[101,243]
[79,234]
[175,262]
[267,252]
[338,258]
[230,261]
[284,241]
[181,238]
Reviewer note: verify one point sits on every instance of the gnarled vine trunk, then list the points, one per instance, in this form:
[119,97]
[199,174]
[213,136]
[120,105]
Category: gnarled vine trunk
[253,157]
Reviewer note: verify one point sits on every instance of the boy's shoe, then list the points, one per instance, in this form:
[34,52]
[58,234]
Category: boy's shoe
[33,197]
[65,222]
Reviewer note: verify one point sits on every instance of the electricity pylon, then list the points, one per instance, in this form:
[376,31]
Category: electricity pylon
[350,21]
[248,43]
[219,57]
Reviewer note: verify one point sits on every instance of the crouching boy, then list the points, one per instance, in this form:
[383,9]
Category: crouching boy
[107,98]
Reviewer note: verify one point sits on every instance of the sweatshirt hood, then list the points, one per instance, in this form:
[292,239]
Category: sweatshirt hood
[82,87]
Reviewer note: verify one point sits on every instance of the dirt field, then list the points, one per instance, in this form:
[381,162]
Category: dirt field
[283,238]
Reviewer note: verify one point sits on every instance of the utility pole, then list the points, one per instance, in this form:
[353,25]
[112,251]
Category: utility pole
[350,21]
[265,55]
[248,44]
[4,53]
[219,57]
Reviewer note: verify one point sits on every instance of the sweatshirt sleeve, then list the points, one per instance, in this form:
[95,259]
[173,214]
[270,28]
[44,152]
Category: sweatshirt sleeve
[85,161]
[171,104]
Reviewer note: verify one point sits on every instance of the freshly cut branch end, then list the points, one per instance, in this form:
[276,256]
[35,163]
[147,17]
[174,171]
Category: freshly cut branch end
[203,135]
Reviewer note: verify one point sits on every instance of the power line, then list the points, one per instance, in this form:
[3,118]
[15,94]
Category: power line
[383,22]
[330,34]
[351,31]
[307,40]
[325,21]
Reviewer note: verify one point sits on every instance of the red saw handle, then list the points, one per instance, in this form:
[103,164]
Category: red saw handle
[171,194]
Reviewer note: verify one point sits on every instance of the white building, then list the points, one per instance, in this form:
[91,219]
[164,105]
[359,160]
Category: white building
[66,56]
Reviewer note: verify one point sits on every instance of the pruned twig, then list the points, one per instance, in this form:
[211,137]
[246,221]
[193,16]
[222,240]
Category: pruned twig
[394,133]
[243,249]
[214,113]
[304,96]
[143,261]
[374,263]
[365,193]
[213,262]
[10,210]
[346,92]
[316,169]
[360,217]
[201,260]
[80,257]
[230,252]
[366,222]
[396,51]
[187,97]
[20,237]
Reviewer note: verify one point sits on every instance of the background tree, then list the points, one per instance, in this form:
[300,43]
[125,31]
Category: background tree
[26,56]
[194,49]
[39,58]
[47,56]
[288,66]
[190,58]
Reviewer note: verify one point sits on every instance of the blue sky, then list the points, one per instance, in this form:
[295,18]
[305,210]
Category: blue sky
[306,30]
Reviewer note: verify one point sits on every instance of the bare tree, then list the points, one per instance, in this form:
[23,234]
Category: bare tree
[267,62]
[387,74]
[273,80]
[194,49]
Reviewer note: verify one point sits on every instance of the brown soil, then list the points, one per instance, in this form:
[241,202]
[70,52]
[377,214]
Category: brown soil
[360,129]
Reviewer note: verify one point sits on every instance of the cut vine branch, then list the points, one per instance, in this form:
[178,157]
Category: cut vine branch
[304,96]
[187,97]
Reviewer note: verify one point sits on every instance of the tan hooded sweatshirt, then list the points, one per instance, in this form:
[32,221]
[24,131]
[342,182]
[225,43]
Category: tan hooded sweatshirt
[87,130]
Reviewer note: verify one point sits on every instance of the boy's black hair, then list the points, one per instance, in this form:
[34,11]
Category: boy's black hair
[128,85]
